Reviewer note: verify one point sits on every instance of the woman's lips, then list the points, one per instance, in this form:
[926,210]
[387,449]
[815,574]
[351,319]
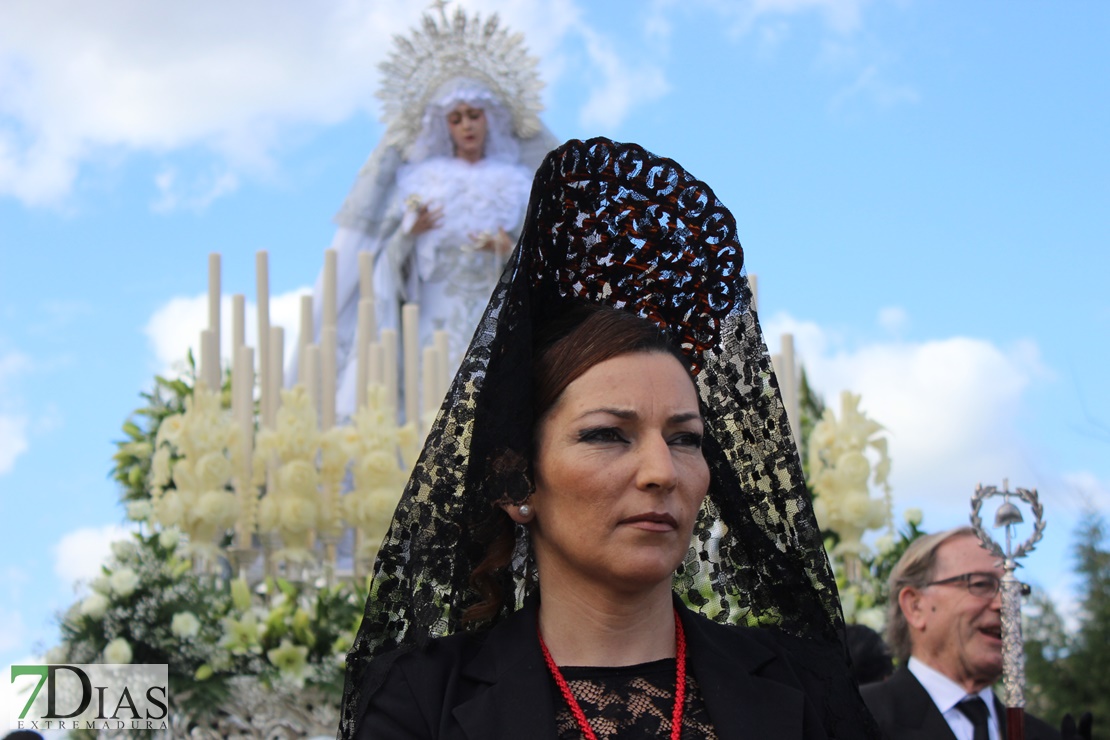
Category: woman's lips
[652,522]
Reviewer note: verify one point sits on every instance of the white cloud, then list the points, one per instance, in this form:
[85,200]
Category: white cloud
[195,195]
[1086,490]
[226,80]
[621,83]
[870,85]
[13,632]
[13,425]
[226,77]
[893,318]
[175,327]
[950,405]
[79,554]
[13,440]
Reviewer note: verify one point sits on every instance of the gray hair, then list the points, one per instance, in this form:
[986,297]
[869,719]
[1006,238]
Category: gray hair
[914,569]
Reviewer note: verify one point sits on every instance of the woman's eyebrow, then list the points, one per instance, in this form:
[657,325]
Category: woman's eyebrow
[631,414]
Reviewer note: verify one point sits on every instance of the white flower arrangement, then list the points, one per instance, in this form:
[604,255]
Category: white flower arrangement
[839,470]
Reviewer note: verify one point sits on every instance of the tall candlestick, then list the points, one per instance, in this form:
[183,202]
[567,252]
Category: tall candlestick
[277,369]
[242,400]
[410,328]
[788,383]
[365,276]
[310,375]
[214,298]
[753,286]
[328,379]
[389,369]
[374,363]
[305,335]
[431,381]
[362,341]
[209,360]
[331,278]
[443,355]
[238,323]
[262,270]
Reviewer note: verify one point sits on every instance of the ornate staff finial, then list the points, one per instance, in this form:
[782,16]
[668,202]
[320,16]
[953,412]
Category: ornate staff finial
[1008,516]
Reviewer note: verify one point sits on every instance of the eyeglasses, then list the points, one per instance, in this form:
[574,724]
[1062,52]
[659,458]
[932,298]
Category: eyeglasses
[983,585]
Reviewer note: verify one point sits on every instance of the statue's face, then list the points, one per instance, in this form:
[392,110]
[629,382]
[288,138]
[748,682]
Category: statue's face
[468,131]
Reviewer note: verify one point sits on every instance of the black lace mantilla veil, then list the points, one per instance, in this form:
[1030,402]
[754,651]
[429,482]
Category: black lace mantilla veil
[612,223]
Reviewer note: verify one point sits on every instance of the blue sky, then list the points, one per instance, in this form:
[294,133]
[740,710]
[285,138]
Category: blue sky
[923,189]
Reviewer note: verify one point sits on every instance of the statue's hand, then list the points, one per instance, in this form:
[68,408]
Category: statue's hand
[427,218]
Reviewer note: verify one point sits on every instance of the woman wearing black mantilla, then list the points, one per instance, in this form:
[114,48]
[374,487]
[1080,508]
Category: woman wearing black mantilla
[608,533]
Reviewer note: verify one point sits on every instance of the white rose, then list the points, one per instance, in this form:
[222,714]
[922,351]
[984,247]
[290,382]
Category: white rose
[168,538]
[160,467]
[94,605]
[213,470]
[122,549]
[184,478]
[101,585]
[170,429]
[884,544]
[298,514]
[169,509]
[269,515]
[139,511]
[123,583]
[185,624]
[217,508]
[913,516]
[298,477]
[117,652]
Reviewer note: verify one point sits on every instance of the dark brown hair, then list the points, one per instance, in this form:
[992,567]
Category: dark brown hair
[565,347]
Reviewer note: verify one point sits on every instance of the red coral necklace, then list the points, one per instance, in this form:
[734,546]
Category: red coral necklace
[679,683]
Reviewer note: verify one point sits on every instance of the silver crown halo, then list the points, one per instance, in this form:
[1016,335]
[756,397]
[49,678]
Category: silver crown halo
[445,49]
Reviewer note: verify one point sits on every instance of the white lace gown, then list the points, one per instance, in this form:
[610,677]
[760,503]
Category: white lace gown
[442,269]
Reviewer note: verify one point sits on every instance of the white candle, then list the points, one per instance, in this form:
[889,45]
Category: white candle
[753,286]
[327,377]
[277,369]
[410,328]
[214,293]
[242,387]
[365,276]
[362,341]
[310,376]
[443,358]
[238,323]
[430,371]
[210,359]
[375,360]
[389,369]
[262,270]
[788,383]
[304,332]
[331,277]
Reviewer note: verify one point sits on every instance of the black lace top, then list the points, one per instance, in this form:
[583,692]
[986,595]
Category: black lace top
[631,702]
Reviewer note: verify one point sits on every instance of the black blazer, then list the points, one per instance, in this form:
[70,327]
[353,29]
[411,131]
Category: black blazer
[905,711]
[494,684]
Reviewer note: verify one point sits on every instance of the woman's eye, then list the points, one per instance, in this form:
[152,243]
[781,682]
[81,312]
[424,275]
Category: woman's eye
[454,119]
[687,439]
[601,434]
[474,115]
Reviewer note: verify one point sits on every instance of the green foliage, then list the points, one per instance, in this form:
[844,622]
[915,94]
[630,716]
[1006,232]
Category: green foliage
[1067,672]
[812,408]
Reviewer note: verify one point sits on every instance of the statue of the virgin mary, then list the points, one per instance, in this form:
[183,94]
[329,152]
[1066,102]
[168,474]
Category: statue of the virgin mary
[440,201]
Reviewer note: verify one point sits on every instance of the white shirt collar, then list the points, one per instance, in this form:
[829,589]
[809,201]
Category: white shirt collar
[946,694]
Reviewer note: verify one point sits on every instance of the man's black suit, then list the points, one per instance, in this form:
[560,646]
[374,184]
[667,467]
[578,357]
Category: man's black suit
[495,684]
[905,711]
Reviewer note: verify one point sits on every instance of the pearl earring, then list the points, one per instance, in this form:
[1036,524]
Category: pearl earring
[525,510]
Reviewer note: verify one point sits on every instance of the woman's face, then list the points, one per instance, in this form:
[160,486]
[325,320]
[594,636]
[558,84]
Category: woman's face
[619,474]
[468,131]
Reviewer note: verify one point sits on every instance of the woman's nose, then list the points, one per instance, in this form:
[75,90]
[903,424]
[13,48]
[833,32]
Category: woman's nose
[656,466]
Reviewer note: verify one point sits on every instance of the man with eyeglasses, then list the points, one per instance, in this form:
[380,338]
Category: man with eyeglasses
[944,627]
